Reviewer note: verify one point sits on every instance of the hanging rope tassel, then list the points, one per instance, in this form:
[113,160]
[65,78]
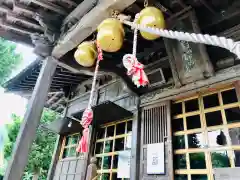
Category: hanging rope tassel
[223,42]
[133,66]
[88,113]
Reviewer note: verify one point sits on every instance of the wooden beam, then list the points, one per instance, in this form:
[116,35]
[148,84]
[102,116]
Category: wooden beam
[27,133]
[88,24]
[136,141]
[225,76]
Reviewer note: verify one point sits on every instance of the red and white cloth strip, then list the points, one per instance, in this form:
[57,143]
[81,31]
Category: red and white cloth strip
[88,113]
[133,66]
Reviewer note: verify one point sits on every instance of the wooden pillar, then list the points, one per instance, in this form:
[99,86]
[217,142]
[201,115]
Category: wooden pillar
[135,146]
[31,121]
[55,157]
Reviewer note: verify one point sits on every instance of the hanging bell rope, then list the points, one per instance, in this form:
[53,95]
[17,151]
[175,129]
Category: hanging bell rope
[223,42]
[133,66]
[88,113]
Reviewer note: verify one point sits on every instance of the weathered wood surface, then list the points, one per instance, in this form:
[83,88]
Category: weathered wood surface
[31,121]
[222,77]
[88,24]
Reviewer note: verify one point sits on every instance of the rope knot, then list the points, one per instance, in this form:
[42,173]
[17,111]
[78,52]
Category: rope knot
[135,69]
[87,118]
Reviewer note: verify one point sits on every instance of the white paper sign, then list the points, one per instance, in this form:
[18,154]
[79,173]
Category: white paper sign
[124,158]
[155,159]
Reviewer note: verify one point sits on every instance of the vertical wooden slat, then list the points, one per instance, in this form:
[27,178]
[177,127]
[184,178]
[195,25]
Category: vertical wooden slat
[161,123]
[157,124]
[149,136]
[151,125]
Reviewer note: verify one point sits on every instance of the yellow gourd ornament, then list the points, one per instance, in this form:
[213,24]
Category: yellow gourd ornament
[110,35]
[151,17]
[86,54]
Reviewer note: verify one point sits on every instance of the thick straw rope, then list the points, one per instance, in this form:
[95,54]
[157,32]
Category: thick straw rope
[223,42]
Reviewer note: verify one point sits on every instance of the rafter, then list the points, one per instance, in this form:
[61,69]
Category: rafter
[13,18]
[50,6]
[16,28]
[19,8]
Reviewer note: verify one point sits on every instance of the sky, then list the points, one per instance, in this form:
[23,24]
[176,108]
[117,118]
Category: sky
[12,103]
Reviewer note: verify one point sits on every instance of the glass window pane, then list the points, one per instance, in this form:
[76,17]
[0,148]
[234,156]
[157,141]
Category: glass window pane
[210,101]
[195,140]
[120,128]
[177,108]
[119,144]
[177,125]
[229,96]
[193,122]
[65,153]
[67,142]
[178,142]
[99,162]
[99,148]
[180,161]
[108,146]
[197,161]
[234,134]
[72,152]
[105,176]
[129,126]
[214,118]
[191,105]
[107,162]
[217,138]
[237,158]
[114,176]
[199,177]
[180,177]
[101,133]
[110,131]
[220,159]
[115,162]
[233,115]
[74,139]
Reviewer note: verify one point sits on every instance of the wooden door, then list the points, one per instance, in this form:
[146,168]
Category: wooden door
[156,128]
[71,168]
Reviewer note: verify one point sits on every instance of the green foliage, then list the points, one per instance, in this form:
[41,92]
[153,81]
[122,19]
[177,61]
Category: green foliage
[42,148]
[9,59]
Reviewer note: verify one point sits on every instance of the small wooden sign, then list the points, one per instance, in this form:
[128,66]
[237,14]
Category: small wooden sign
[227,173]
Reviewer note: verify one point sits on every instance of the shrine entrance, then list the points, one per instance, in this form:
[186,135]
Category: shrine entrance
[206,134]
